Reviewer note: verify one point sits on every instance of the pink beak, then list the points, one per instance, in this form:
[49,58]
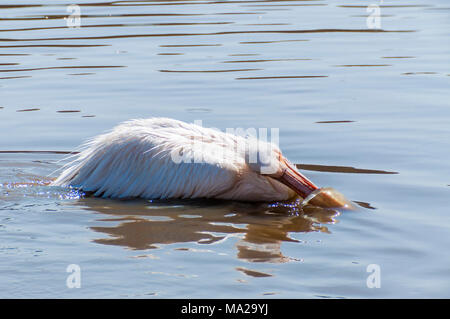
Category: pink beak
[296,181]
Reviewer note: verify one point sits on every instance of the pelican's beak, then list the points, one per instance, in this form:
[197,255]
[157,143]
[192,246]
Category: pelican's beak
[296,181]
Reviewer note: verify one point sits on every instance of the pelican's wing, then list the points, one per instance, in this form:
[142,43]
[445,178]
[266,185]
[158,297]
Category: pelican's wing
[142,161]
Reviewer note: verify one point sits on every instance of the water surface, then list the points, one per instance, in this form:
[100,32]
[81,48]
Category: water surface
[364,111]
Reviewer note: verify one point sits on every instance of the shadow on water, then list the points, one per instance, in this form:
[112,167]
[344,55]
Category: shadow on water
[260,227]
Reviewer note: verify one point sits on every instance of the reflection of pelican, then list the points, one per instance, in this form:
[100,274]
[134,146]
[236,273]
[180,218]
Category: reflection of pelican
[161,158]
[261,228]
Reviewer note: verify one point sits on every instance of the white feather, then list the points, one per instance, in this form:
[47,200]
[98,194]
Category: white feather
[135,159]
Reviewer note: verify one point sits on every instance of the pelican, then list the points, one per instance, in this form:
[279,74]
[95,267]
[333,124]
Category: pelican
[162,158]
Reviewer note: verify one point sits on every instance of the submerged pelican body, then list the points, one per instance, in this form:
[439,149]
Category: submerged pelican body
[161,158]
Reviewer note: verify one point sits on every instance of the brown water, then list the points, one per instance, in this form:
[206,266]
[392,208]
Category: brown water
[363,111]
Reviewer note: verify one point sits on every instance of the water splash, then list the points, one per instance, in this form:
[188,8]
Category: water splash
[38,189]
[326,199]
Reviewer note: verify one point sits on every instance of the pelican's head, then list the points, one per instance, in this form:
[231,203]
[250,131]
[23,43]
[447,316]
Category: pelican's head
[267,160]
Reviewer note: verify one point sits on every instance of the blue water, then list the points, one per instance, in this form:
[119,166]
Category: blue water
[341,95]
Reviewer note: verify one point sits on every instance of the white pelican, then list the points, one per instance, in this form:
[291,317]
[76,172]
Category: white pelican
[162,158]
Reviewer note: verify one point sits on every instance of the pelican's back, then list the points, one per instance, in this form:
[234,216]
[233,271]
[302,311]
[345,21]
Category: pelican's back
[158,158]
